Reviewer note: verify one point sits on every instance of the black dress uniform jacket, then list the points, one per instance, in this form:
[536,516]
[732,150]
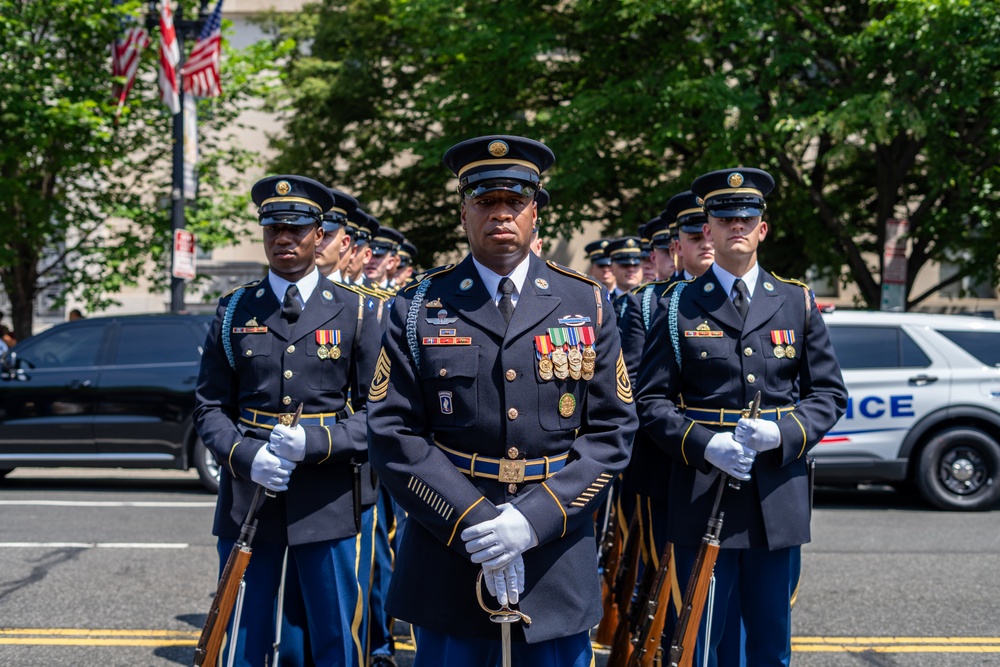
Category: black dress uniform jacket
[725,361]
[274,362]
[484,398]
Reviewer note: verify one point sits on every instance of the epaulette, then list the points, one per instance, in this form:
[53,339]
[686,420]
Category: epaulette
[252,283]
[358,289]
[417,279]
[792,281]
[572,273]
[676,283]
[639,289]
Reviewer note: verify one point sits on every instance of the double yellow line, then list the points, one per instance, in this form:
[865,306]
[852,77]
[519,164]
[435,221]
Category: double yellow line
[96,637]
[896,644]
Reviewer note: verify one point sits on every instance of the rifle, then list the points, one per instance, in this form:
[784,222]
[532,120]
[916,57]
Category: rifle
[624,586]
[686,633]
[210,642]
[609,560]
[651,610]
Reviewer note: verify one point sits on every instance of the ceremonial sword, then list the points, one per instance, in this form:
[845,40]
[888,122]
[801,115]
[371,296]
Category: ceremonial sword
[504,616]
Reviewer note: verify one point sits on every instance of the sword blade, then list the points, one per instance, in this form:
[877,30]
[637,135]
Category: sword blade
[505,644]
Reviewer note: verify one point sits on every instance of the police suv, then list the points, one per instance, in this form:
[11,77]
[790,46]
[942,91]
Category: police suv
[924,406]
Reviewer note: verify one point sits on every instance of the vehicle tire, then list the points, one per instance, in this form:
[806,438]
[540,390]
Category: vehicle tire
[960,470]
[206,465]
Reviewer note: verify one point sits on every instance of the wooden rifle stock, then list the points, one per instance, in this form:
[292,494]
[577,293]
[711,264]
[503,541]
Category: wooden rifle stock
[628,572]
[689,619]
[651,612]
[210,642]
[611,559]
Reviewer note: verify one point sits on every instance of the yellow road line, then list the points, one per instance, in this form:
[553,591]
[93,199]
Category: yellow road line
[117,637]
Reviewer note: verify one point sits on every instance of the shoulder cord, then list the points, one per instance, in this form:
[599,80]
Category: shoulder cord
[411,320]
[675,338]
[647,300]
[227,327]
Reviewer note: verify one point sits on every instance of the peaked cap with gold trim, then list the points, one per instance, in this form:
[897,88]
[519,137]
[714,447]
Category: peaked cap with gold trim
[498,162]
[734,193]
[290,200]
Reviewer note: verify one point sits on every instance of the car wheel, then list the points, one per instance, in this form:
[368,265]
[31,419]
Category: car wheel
[206,465]
[959,470]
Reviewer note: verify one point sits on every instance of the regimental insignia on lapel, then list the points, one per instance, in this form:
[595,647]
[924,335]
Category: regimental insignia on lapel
[541,283]
[768,286]
[465,284]
[708,287]
[259,293]
[327,294]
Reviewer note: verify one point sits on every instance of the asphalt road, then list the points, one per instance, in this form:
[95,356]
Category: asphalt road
[118,568]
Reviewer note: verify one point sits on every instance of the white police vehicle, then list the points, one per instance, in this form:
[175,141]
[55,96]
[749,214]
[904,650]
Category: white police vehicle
[924,407]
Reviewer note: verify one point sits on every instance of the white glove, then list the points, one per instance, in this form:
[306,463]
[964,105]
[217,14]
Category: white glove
[497,542]
[288,442]
[270,471]
[759,435]
[507,583]
[729,456]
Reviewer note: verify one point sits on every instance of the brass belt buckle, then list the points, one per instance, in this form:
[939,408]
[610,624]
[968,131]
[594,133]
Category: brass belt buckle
[286,418]
[512,472]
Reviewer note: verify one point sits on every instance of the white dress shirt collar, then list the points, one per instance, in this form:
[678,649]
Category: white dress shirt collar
[491,279]
[727,279]
[306,284]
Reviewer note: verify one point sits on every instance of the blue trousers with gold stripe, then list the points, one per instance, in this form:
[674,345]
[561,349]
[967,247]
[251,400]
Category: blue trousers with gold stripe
[325,609]
[389,523]
[435,649]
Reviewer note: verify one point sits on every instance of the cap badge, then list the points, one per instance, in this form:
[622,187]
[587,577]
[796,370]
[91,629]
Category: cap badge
[699,201]
[769,287]
[604,244]
[735,179]
[708,287]
[630,243]
[498,148]
[283,188]
[465,284]
[541,283]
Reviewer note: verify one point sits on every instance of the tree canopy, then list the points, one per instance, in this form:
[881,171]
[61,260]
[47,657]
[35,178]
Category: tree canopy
[863,112]
[79,187]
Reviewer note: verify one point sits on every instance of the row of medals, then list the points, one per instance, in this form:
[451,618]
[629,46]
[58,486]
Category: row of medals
[782,352]
[572,363]
[332,352]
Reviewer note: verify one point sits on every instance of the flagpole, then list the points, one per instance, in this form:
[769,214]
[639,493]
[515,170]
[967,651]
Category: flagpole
[185,30]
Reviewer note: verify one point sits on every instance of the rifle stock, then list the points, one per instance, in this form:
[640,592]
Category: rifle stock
[210,642]
[689,618]
[652,609]
[625,578]
[611,557]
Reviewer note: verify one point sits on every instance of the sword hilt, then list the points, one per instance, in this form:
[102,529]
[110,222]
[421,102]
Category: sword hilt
[502,615]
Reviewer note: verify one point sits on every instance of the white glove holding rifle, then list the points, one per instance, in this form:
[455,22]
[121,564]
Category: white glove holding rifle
[288,442]
[729,456]
[270,471]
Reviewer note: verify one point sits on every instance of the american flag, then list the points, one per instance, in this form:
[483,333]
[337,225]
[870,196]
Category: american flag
[125,52]
[200,72]
[170,55]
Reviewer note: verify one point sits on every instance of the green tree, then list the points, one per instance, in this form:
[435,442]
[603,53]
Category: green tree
[79,189]
[862,111]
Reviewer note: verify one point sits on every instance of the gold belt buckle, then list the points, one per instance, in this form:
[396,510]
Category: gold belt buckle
[512,472]
[285,418]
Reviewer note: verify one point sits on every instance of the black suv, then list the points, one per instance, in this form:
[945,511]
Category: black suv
[106,392]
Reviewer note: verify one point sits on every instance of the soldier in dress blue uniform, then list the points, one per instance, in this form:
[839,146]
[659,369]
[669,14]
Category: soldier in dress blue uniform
[626,264]
[335,249]
[541,201]
[705,358]
[600,264]
[500,413]
[294,338]
[385,257]
[362,227]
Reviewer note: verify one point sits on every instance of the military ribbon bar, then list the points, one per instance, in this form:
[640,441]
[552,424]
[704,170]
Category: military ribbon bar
[783,336]
[587,335]
[559,336]
[543,345]
[574,336]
